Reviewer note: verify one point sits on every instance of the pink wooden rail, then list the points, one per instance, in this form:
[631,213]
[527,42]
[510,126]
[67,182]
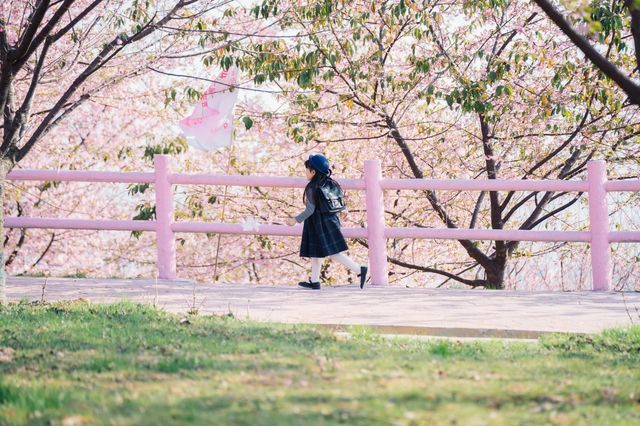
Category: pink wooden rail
[596,185]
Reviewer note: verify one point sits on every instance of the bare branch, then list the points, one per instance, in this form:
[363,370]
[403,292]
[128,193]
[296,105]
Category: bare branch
[219,82]
[472,283]
[18,246]
[557,210]
[552,154]
[21,118]
[105,55]
[75,20]
[476,210]
[26,40]
[473,251]
[46,250]
[513,34]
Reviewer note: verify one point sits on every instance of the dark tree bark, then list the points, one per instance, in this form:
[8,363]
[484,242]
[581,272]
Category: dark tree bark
[5,166]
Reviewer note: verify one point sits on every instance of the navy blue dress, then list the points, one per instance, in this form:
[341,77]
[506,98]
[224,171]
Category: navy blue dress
[321,235]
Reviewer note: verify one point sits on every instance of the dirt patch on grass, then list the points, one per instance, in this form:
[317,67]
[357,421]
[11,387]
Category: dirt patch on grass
[6,354]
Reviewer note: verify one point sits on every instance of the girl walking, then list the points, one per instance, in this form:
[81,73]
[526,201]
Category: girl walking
[321,235]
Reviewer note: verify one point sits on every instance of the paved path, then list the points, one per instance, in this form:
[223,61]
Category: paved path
[441,312]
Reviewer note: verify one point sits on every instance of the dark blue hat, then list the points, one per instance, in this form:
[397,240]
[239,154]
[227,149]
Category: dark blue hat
[320,163]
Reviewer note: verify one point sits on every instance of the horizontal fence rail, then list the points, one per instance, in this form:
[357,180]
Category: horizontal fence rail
[264,181]
[88,224]
[596,185]
[487,234]
[81,176]
[484,185]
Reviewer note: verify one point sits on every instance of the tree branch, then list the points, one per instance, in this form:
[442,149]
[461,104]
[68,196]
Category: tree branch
[4,44]
[512,35]
[476,210]
[609,69]
[53,237]
[16,249]
[557,210]
[634,11]
[472,283]
[74,21]
[26,40]
[471,249]
[468,268]
[552,154]
[105,55]
[533,217]
[21,117]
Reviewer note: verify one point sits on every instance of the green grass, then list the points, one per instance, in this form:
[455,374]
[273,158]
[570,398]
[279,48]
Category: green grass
[126,364]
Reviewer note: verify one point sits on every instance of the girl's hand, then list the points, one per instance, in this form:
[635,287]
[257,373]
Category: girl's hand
[291,221]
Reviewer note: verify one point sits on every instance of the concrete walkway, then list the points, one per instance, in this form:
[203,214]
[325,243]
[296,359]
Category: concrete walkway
[398,310]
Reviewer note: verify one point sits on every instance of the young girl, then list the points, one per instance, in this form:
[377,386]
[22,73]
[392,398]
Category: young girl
[321,236]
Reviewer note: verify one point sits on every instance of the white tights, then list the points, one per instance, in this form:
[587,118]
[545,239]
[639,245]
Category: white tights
[316,262]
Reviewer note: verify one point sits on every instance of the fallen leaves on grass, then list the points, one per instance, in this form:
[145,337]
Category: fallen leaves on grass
[74,421]
[6,354]
[609,394]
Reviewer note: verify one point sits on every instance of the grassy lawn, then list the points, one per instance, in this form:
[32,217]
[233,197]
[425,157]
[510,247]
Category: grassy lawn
[78,363]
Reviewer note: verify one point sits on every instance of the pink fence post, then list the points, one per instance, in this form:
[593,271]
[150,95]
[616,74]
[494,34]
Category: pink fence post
[599,224]
[375,223]
[164,219]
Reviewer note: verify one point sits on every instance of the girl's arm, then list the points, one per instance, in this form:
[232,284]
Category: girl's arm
[309,208]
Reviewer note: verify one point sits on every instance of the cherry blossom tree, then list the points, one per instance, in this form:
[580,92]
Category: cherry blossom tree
[485,75]
[56,56]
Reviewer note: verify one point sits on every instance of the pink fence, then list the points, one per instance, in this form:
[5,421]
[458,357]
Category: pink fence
[596,185]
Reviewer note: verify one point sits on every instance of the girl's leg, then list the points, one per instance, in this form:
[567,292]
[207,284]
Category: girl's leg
[346,261]
[316,262]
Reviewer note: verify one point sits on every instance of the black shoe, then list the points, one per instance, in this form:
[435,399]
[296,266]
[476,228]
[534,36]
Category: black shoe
[363,275]
[310,285]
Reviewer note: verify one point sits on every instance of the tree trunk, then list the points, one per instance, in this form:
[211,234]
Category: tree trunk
[5,166]
[495,277]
